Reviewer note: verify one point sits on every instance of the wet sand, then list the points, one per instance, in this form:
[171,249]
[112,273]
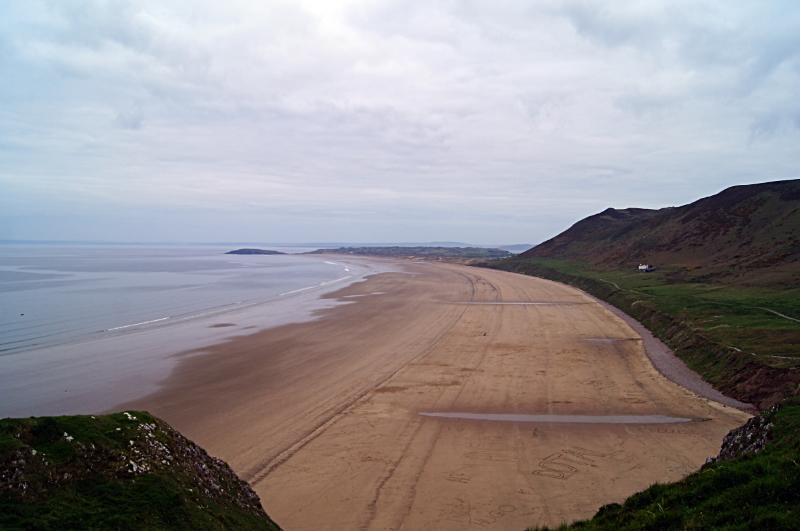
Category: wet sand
[323,418]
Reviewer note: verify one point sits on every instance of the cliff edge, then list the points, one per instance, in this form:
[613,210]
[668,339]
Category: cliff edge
[122,471]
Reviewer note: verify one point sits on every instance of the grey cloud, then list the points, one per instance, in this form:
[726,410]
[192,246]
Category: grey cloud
[752,38]
[773,123]
[612,24]
[765,126]
[647,104]
[459,114]
[130,118]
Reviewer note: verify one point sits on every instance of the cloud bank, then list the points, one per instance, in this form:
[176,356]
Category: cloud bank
[383,120]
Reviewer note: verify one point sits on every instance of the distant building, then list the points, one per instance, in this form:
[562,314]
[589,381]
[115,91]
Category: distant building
[646,268]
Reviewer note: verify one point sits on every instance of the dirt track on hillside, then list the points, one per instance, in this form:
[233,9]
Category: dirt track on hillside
[323,417]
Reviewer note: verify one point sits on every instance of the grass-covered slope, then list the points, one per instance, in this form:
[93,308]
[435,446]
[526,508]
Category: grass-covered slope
[754,484]
[126,471]
[744,231]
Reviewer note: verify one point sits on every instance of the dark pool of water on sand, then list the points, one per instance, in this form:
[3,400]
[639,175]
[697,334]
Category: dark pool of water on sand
[568,419]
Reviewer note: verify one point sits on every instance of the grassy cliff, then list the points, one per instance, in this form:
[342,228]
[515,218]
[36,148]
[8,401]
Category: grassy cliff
[726,299]
[726,295]
[737,337]
[126,471]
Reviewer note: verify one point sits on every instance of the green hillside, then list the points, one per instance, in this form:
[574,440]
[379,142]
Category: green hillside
[747,232]
[126,471]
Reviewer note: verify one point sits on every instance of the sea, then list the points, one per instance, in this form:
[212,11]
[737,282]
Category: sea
[83,327]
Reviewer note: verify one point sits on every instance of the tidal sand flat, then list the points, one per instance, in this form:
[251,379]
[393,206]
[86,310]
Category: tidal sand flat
[323,418]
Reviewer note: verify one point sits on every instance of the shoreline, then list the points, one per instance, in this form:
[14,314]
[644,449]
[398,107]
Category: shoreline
[93,375]
[331,359]
[322,417]
[672,367]
[664,359]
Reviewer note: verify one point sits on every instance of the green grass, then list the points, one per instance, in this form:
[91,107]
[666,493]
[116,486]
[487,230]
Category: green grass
[755,491]
[45,434]
[51,482]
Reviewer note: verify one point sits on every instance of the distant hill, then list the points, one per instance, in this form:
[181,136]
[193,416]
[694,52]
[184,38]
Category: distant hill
[747,227]
[419,252]
[253,251]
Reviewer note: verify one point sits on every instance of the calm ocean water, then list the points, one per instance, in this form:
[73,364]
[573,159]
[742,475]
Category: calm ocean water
[83,328]
[55,294]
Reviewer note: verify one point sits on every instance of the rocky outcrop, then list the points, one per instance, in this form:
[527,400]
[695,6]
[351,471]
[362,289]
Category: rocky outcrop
[752,437]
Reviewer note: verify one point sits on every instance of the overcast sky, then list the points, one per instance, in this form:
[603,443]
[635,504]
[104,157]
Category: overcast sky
[383,121]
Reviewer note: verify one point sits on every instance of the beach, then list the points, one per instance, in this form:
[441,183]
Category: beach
[404,406]
[86,327]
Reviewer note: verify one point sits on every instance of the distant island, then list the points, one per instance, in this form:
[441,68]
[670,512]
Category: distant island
[429,253]
[253,251]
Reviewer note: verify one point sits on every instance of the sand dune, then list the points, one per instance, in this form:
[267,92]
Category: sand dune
[323,417]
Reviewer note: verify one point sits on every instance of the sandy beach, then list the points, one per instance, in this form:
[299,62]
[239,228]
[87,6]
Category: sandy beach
[324,418]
